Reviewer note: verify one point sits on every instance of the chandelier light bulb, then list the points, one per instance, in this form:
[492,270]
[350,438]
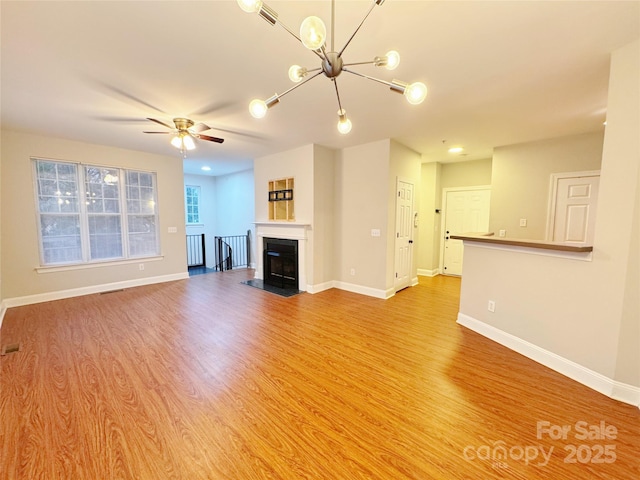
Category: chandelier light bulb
[313,33]
[344,124]
[297,73]
[250,6]
[415,93]
[258,108]
[393,59]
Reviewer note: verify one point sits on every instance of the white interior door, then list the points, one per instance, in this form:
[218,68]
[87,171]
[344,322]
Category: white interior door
[574,216]
[404,234]
[465,211]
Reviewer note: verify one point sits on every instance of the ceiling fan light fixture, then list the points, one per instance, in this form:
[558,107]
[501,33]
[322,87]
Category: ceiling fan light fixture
[176,141]
[188,142]
[313,33]
[344,124]
[183,141]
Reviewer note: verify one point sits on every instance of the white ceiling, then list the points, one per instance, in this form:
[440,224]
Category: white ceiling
[498,73]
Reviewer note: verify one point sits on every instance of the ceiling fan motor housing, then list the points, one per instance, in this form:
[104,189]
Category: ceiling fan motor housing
[183,123]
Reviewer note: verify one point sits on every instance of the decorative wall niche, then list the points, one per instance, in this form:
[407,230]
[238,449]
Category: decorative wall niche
[281,202]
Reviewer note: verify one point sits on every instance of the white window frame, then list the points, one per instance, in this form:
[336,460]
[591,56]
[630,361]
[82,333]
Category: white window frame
[187,204]
[83,214]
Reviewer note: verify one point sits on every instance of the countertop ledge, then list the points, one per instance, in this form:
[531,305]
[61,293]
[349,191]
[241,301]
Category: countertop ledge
[490,238]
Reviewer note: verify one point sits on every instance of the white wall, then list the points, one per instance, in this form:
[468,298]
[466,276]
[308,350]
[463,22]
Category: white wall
[20,249]
[296,163]
[323,265]
[235,207]
[428,220]
[235,203]
[584,314]
[520,181]
[362,203]
[466,174]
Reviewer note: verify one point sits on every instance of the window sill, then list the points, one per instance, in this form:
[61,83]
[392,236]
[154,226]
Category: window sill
[84,266]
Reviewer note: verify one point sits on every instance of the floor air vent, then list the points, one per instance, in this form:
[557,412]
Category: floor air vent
[112,291]
[12,348]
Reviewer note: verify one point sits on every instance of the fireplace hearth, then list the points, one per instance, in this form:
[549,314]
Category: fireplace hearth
[280,262]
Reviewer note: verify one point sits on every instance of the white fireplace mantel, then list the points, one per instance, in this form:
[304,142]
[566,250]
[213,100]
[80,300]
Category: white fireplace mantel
[288,230]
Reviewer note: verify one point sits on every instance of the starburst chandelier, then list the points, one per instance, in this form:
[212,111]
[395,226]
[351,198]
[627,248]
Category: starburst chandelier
[312,35]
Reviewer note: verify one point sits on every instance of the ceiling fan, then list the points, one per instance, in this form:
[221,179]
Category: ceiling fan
[184,133]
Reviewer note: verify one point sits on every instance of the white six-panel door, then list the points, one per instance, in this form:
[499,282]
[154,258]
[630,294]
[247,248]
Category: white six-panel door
[465,211]
[404,234]
[574,214]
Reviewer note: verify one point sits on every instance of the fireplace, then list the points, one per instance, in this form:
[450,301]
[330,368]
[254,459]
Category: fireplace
[280,262]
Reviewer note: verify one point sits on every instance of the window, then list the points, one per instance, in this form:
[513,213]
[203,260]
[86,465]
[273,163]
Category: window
[114,215]
[192,194]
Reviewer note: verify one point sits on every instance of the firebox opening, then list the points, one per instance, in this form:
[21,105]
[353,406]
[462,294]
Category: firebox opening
[280,263]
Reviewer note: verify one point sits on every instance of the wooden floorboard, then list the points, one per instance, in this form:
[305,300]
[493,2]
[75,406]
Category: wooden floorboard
[206,378]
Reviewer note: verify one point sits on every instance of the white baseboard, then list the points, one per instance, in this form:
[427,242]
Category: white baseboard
[76,292]
[3,309]
[428,273]
[321,287]
[594,380]
[371,292]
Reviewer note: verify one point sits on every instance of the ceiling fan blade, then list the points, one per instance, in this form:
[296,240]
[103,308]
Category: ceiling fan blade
[211,139]
[161,123]
[240,133]
[200,127]
[212,107]
[163,133]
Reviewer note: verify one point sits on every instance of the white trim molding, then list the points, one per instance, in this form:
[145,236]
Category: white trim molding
[428,273]
[370,292]
[77,292]
[3,310]
[321,287]
[594,380]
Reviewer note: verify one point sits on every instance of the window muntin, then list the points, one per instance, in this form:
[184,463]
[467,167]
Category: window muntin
[108,219]
[192,202]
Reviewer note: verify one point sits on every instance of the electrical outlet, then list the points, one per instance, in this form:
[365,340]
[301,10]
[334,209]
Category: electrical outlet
[141,266]
[352,271]
[491,306]
[523,222]
[503,233]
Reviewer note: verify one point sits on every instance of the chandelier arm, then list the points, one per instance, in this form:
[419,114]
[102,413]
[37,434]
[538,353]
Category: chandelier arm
[389,84]
[335,84]
[298,85]
[333,24]
[324,55]
[375,2]
[370,62]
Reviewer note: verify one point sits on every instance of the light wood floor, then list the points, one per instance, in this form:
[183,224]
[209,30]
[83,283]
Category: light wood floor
[207,378]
